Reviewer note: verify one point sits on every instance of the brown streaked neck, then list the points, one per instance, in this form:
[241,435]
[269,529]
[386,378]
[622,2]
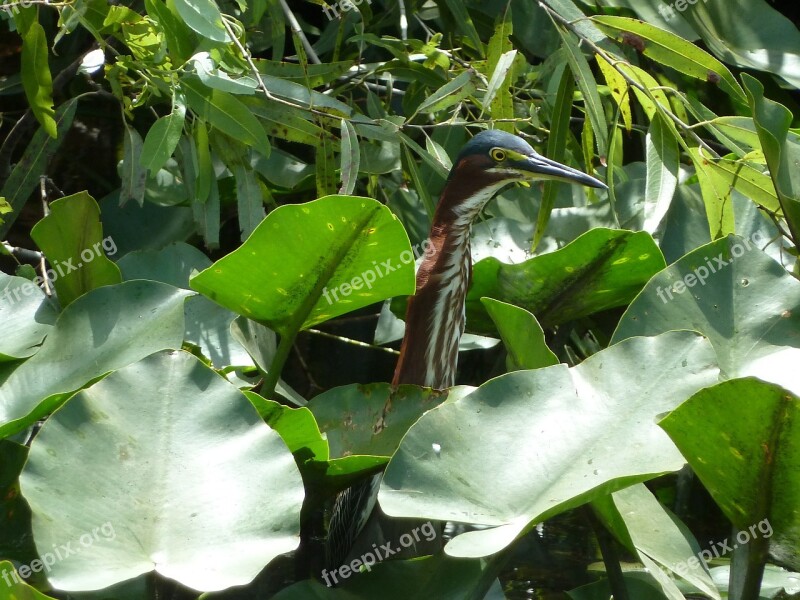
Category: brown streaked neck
[435,315]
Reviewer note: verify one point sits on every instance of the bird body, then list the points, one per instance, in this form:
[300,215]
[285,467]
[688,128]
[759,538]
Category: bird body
[435,316]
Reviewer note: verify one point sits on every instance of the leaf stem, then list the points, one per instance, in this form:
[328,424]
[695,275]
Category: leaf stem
[276,366]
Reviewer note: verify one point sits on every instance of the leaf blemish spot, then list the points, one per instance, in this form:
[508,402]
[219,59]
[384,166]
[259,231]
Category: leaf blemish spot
[634,41]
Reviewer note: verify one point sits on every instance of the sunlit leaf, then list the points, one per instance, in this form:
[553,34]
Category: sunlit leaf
[522,336]
[225,112]
[772,122]
[574,423]
[186,420]
[351,158]
[204,17]
[307,263]
[71,238]
[663,162]
[741,438]
[671,50]
[162,138]
[26,317]
[36,78]
[103,330]
[26,174]
[730,291]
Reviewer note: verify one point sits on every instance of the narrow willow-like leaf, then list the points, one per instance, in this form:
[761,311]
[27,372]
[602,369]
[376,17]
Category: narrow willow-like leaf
[207,215]
[422,190]
[654,99]
[716,195]
[588,86]
[248,199]
[438,153]
[325,167]
[180,38]
[26,173]
[663,163]
[36,78]
[133,175]
[464,22]
[619,90]
[311,75]
[671,50]
[450,93]
[556,149]
[162,139]
[216,78]
[772,122]
[351,158]
[499,76]
[502,106]
[225,112]
[425,156]
[204,17]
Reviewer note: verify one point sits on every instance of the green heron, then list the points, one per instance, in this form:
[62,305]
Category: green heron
[435,316]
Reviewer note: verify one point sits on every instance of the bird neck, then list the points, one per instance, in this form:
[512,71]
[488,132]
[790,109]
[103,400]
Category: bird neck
[435,316]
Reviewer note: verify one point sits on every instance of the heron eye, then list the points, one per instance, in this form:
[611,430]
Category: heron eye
[498,154]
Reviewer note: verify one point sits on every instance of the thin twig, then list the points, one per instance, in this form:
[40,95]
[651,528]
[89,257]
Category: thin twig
[403,20]
[257,74]
[46,211]
[22,253]
[295,27]
[304,365]
[347,340]
[11,6]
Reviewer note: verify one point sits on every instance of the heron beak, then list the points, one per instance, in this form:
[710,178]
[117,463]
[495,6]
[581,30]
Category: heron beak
[536,166]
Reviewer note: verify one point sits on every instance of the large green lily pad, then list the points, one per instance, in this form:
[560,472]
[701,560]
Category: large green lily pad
[207,324]
[305,264]
[370,419]
[742,438]
[602,269]
[530,444]
[748,307]
[26,317]
[103,330]
[162,466]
